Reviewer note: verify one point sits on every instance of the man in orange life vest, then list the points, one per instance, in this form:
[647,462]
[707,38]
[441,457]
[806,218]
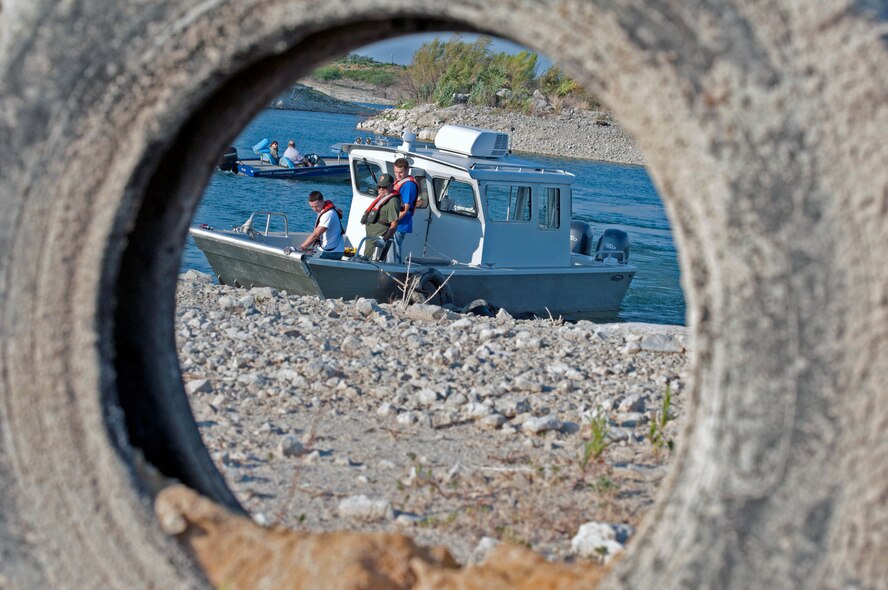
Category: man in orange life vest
[381,217]
[408,189]
[328,228]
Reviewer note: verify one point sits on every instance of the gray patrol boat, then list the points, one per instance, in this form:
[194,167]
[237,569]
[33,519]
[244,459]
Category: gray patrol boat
[488,226]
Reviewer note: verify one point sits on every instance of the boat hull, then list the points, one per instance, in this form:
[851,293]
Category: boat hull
[333,171]
[575,292]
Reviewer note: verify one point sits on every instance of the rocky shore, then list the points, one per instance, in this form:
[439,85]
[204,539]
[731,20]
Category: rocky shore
[460,430]
[354,91]
[592,135]
[302,98]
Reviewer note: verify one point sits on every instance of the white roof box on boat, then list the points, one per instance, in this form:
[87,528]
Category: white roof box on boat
[470,141]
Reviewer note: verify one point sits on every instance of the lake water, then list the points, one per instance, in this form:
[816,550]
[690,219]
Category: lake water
[604,195]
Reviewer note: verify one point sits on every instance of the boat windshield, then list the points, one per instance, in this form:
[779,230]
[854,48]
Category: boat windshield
[365,174]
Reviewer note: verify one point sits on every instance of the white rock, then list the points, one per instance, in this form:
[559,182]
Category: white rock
[351,344]
[596,539]
[631,347]
[476,410]
[492,421]
[512,406]
[386,409]
[424,311]
[453,472]
[311,458]
[407,418]
[367,307]
[363,508]
[260,519]
[632,403]
[263,293]
[227,303]
[541,424]
[426,397]
[661,343]
[196,276]
[483,550]
[522,418]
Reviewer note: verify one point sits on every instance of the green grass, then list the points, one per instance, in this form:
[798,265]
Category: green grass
[597,442]
[659,420]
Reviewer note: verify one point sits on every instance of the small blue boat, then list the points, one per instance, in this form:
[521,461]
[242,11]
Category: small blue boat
[313,166]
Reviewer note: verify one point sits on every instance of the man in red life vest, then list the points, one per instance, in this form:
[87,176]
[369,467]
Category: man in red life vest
[408,189]
[381,217]
[328,228]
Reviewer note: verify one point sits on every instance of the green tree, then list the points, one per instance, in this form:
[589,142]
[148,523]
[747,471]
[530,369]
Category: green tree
[425,69]
[441,69]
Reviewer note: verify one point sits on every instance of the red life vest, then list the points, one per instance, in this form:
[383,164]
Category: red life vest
[327,206]
[397,188]
[371,214]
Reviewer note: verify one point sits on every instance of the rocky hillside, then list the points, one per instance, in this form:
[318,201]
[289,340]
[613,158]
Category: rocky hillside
[355,91]
[302,98]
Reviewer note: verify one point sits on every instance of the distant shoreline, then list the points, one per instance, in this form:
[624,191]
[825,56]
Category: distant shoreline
[589,135]
[574,133]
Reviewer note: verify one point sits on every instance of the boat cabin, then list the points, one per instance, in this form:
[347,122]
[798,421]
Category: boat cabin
[478,205]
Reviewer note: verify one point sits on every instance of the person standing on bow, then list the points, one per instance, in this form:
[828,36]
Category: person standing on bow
[328,228]
[408,189]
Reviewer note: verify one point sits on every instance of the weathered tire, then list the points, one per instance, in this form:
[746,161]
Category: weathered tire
[432,286]
[763,125]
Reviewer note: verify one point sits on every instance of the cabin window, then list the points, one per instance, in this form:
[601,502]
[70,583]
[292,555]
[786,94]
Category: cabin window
[453,196]
[507,203]
[365,174]
[550,209]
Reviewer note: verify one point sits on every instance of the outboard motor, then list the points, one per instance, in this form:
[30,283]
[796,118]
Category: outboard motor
[611,244]
[580,237]
[229,160]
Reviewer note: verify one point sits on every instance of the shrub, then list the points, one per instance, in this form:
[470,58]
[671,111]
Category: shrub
[373,76]
[441,69]
[328,73]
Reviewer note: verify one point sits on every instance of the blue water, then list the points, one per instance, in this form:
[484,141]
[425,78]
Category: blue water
[604,195]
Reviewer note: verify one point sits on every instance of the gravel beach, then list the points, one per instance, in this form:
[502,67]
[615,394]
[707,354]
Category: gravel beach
[460,430]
